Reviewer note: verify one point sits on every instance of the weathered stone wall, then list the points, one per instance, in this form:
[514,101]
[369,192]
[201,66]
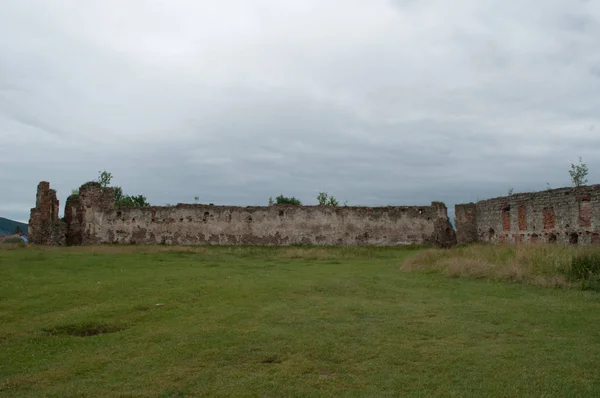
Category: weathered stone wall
[276,225]
[44,225]
[85,212]
[90,218]
[566,215]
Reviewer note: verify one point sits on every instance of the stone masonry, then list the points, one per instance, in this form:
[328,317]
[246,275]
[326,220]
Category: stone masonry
[565,215]
[85,211]
[44,225]
[90,218]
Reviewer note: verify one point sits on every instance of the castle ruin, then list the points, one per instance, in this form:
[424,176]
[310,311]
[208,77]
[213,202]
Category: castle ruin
[565,215]
[91,218]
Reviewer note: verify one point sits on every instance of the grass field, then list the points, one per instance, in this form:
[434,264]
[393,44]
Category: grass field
[273,322]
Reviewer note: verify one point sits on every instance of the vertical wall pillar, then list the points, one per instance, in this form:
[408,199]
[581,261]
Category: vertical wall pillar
[44,226]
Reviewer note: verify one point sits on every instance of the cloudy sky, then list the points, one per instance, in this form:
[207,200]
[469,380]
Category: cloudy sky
[377,102]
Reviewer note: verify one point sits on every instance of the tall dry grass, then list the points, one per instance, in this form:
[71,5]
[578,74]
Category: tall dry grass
[546,265]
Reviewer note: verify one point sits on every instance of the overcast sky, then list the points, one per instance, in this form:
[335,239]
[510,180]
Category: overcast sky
[377,102]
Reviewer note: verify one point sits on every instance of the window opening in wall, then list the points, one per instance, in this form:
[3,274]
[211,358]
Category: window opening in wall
[119,214]
[573,238]
[552,238]
[534,238]
[491,234]
[280,213]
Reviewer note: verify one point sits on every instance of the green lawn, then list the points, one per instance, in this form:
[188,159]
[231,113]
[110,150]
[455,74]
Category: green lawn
[273,322]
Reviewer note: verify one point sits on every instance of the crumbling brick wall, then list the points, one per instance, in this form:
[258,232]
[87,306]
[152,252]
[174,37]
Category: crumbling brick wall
[44,226]
[565,215]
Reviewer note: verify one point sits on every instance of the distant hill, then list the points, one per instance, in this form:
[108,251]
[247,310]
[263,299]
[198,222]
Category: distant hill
[7,227]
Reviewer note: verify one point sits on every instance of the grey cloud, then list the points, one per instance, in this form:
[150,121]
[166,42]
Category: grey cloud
[377,102]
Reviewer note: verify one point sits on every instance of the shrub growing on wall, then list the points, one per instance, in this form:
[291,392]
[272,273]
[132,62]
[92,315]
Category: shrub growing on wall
[133,201]
[121,200]
[282,200]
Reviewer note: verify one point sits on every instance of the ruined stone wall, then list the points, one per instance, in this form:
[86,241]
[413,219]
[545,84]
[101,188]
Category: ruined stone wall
[566,215]
[44,226]
[86,211]
[90,218]
[276,225]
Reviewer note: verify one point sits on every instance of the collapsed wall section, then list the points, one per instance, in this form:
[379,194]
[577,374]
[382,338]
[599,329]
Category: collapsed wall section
[566,215]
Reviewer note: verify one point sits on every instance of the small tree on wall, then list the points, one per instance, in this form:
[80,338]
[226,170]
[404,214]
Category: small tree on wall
[104,178]
[579,173]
